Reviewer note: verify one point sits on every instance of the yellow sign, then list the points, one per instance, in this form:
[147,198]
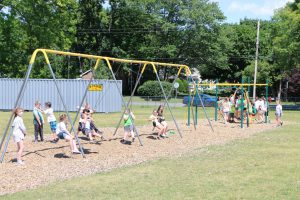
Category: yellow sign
[95,87]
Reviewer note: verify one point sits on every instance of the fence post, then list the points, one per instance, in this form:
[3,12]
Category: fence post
[189,102]
[216,104]
[242,105]
[267,101]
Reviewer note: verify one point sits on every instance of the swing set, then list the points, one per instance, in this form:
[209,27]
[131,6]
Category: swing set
[244,96]
[98,59]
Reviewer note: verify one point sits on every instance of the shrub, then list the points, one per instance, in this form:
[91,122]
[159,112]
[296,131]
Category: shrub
[183,86]
[152,88]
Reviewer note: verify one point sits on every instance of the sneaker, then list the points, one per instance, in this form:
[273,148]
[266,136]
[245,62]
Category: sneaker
[162,136]
[76,152]
[20,162]
[281,123]
[125,142]
[92,142]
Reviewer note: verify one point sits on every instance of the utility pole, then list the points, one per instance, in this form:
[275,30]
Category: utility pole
[256,59]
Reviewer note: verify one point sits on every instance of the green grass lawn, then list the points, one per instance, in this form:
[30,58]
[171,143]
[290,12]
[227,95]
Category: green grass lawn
[158,99]
[265,166]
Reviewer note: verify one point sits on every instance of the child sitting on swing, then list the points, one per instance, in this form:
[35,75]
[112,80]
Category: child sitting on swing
[155,122]
[162,120]
[63,133]
[86,126]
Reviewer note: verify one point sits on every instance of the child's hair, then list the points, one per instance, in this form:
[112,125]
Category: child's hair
[160,109]
[62,117]
[86,111]
[37,103]
[48,104]
[17,110]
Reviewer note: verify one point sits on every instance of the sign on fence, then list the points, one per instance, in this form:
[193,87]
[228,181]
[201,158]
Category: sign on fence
[95,87]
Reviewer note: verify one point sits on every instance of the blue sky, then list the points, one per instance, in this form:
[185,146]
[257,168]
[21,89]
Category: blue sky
[235,10]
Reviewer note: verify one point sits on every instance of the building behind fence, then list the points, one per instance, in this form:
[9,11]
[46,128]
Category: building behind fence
[103,95]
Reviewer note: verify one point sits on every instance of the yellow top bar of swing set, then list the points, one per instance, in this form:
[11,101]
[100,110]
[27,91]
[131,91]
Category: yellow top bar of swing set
[231,84]
[45,51]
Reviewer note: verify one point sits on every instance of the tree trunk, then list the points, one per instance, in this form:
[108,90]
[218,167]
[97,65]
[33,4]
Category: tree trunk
[286,88]
[279,89]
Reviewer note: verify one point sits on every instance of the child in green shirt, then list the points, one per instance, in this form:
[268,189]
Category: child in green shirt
[128,127]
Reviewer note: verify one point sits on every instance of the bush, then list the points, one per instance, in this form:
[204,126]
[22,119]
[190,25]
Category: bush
[152,88]
[183,86]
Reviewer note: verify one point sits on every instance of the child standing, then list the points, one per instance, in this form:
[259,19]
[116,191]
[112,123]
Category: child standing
[63,133]
[19,132]
[128,127]
[38,122]
[278,113]
[231,112]
[52,120]
[226,109]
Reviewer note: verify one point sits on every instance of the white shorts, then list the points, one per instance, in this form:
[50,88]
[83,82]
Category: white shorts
[18,137]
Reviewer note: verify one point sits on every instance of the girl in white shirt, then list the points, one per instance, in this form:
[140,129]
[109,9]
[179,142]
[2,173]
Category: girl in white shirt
[278,113]
[19,132]
[63,133]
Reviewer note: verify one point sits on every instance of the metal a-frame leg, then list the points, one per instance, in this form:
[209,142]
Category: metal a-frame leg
[82,100]
[202,105]
[17,103]
[124,103]
[66,110]
[192,109]
[170,92]
[167,102]
[128,103]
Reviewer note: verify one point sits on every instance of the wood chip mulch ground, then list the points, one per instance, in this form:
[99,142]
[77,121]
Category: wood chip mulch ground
[44,161]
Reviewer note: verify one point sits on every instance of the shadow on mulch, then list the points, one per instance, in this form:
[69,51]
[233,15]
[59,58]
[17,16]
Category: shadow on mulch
[61,155]
[152,137]
[88,151]
[84,138]
[14,160]
[41,150]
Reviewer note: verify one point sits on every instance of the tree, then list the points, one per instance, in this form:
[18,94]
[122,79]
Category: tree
[294,83]
[286,41]
[32,24]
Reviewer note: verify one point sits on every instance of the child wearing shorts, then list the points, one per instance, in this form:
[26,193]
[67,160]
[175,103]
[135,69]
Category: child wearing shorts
[87,127]
[231,112]
[162,120]
[278,113]
[128,127]
[226,109]
[19,132]
[156,124]
[63,133]
[52,120]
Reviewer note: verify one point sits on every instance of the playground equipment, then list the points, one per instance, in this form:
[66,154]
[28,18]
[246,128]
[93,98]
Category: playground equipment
[244,94]
[98,59]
